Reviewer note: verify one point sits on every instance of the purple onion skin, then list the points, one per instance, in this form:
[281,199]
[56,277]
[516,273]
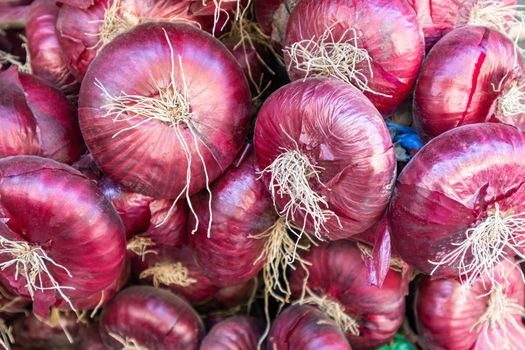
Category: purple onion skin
[170,231]
[201,291]
[273,17]
[450,185]
[395,46]
[241,206]
[305,327]
[459,81]
[155,318]
[447,313]
[234,333]
[218,94]
[55,207]
[338,272]
[339,130]
[37,119]
[229,298]
[91,339]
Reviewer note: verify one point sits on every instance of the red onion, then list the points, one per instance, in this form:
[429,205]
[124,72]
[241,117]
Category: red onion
[327,157]
[91,339]
[307,328]
[150,318]
[84,30]
[337,282]
[36,119]
[438,17]
[231,299]
[192,103]
[234,333]
[453,317]
[453,213]
[472,75]
[72,238]
[273,16]
[351,41]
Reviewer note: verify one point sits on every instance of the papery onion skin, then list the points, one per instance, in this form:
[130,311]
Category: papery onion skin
[305,327]
[37,119]
[338,272]
[449,187]
[53,206]
[341,132]
[395,46]
[241,207]
[141,157]
[460,79]
[165,227]
[229,299]
[155,318]
[273,17]
[199,289]
[233,333]
[447,313]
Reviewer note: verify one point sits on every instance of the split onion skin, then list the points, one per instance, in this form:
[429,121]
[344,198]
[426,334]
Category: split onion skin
[338,272]
[447,313]
[218,94]
[307,328]
[241,207]
[340,131]
[396,46]
[233,333]
[459,81]
[449,186]
[37,119]
[155,318]
[55,207]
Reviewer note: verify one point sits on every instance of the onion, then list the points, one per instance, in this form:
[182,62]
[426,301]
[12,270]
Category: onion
[273,16]
[472,75]
[453,214]
[337,282]
[234,333]
[453,317]
[91,339]
[229,300]
[71,237]
[180,107]
[327,157]
[36,119]
[351,41]
[150,318]
[307,328]
[84,30]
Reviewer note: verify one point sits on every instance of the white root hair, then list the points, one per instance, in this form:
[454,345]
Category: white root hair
[6,57]
[168,273]
[126,342]
[32,262]
[172,107]
[141,245]
[239,13]
[486,245]
[327,56]
[6,335]
[512,101]
[497,15]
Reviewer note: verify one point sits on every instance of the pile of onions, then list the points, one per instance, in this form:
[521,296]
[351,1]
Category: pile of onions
[273,17]
[337,283]
[36,119]
[453,317]
[438,17]
[61,242]
[85,27]
[150,318]
[458,207]
[472,75]
[307,328]
[234,333]
[179,107]
[351,41]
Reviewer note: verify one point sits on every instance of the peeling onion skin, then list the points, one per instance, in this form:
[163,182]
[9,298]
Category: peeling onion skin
[157,319]
[458,81]
[339,130]
[273,17]
[218,94]
[305,327]
[36,119]
[338,272]
[395,46]
[447,313]
[54,206]
[449,186]
[241,206]
[233,333]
